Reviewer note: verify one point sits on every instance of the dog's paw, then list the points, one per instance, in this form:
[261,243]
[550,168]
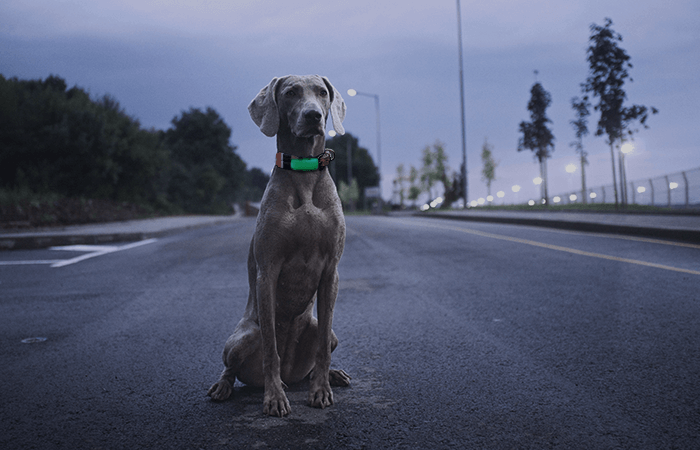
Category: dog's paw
[276,404]
[321,397]
[221,390]
[338,378]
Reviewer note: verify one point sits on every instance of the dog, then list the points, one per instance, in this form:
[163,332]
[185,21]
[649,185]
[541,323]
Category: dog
[294,254]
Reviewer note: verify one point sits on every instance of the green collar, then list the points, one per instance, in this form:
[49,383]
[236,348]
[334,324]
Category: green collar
[290,162]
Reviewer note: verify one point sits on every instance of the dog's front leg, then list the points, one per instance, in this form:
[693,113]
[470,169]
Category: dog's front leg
[275,402]
[320,393]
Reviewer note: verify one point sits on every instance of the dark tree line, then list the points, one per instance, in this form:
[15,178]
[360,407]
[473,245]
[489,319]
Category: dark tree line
[362,164]
[59,141]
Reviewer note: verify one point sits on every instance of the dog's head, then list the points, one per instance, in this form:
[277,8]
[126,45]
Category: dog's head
[301,103]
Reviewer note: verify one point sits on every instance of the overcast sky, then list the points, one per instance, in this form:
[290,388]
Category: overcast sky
[158,58]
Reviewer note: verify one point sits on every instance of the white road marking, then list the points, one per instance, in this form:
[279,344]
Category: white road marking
[93,251]
[99,250]
[26,263]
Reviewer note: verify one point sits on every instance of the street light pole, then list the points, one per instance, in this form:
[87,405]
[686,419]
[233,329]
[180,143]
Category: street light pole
[352,93]
[461,98]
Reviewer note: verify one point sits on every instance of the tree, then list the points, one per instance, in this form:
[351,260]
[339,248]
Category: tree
[363,168]
[434,168]
[488,172]
[399,183]
[414,189]
[455,191]
[206,172]
[535,134]
[609,66]
[580,125]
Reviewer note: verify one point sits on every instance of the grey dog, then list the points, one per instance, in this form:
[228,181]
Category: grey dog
[293,259]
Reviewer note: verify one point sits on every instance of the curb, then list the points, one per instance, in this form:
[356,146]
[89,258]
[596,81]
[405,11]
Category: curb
[678,234]
[29,241]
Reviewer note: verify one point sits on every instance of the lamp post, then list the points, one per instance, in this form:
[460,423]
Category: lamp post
[465,190]
[538,182]
[625,149]
[352,93]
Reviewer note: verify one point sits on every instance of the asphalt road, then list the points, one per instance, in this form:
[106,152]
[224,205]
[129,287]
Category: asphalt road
[457,335]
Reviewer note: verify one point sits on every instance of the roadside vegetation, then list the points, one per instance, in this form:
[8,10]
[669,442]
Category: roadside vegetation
[68,158]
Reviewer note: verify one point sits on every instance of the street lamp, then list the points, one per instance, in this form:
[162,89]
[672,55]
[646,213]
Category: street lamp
[461,99]
[352,93]
[625,149]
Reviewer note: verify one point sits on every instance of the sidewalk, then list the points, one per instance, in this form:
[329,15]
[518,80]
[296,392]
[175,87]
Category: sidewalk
[100,233]
[666,226]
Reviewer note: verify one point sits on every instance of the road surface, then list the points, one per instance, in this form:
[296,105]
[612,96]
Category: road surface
[457,335]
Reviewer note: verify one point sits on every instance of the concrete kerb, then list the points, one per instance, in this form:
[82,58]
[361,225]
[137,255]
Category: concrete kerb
[677,234]
[100,233]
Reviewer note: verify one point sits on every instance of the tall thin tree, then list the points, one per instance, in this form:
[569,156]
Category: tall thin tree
[488,171]
[580,125]
[609,65]
[536,136]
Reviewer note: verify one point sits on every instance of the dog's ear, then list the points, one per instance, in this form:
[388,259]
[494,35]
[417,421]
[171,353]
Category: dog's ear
[337,107]
[263,108]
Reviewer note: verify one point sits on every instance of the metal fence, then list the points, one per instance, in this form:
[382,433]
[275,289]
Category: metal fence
[680,189]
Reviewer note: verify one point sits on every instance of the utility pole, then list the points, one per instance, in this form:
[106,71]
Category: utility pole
[461,98]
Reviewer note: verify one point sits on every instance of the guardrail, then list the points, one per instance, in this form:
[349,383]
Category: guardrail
[681,189]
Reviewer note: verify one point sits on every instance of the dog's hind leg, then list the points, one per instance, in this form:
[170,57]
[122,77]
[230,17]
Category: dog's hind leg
[243,360]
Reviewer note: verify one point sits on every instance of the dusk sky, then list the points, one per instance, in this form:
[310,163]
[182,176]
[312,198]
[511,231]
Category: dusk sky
[158,58]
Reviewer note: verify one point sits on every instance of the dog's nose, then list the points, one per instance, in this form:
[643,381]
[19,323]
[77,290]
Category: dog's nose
[312,116]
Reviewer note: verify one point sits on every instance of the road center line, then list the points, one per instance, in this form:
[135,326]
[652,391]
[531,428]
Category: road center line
[563,249]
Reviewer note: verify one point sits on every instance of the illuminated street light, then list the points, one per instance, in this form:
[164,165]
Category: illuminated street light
[673,185]
[641,189]
[627,148]
[352,93]
[516,188]
[593,195]
[537,181]
[573,197]
[500,194]
[571,168]
[531,203]
[489,198]
[332,133]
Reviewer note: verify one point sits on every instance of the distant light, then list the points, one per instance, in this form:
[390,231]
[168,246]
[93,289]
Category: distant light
[641,189]
[500,194]
[571,168]
[481,201]
[573,197]
[673,185]
[537,180]
[425,207]
[437,202]
[627,148]
[489,198]
[474,203]
[531,203]
[516,188]
[352,92]
[544,201]
[332,133]
[556,199]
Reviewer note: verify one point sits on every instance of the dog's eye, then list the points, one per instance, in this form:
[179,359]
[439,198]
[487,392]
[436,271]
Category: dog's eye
[323,93]
[290,93]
